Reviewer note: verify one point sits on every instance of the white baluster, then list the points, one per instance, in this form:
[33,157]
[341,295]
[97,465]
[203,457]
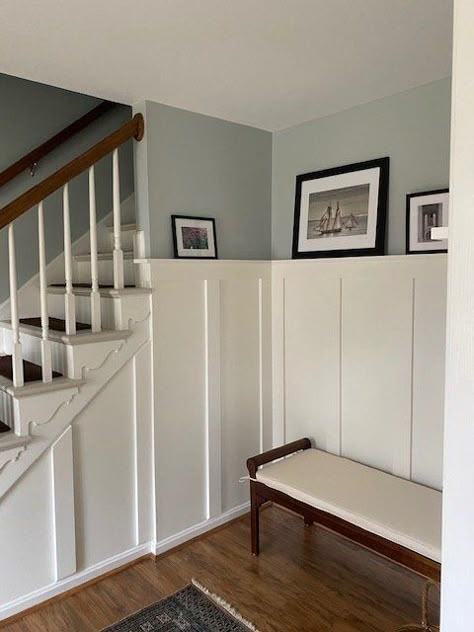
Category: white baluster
[69,298]
[95,294]
[46,360]
[118,252]
[17,360]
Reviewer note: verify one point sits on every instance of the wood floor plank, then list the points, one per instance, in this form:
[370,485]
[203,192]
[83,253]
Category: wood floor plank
[305,580]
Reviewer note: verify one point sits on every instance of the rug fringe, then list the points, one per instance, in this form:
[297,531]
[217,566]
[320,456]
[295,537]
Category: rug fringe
[225,606]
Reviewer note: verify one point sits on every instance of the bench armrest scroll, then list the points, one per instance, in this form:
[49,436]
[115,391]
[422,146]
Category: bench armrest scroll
[277,453]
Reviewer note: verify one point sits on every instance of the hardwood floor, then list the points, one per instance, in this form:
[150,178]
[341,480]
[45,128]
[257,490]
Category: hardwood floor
[305,580]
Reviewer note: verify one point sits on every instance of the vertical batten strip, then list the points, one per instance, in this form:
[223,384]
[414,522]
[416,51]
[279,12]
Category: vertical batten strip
[260,364]
[212,330]
[17,360]
[118,252]
[46,360]
[64,522]
[95,294]
[341,366]
[69,298]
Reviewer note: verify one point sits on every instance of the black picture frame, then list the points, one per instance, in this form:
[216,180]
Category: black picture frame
[384,165]
[193,218]
[409,198]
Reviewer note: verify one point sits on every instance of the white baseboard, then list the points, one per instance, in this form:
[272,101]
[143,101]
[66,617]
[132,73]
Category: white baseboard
[162,546]
[52,590]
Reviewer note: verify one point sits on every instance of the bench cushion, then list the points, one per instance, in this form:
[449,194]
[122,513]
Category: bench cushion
[396,509]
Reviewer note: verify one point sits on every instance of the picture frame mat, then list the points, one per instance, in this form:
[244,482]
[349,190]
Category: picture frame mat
[179,222]
[415,200]
[340,181]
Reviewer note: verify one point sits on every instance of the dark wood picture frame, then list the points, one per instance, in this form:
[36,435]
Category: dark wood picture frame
[384,165]
[193,218]
[409,198]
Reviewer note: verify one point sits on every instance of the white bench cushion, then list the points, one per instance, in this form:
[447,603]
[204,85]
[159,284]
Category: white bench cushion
[396,509]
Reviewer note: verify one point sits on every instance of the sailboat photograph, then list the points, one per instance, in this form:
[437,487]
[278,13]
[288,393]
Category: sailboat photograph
[338,212]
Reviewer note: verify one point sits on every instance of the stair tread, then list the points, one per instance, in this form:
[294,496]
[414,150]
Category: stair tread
[4,427]
[55,324]
[32,372]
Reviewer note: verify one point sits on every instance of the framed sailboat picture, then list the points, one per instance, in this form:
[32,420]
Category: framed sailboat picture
[341,212]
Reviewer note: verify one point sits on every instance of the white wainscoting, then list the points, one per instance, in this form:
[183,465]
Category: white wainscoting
[358,359]
[86,506]
[212,388]
[352,350]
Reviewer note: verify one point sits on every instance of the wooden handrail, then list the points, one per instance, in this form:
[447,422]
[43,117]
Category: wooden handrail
[132,129]
[33,157]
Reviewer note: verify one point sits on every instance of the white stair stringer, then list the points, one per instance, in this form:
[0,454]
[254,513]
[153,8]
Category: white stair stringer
[39,403]
[47,421]
[85,357]
[69,353]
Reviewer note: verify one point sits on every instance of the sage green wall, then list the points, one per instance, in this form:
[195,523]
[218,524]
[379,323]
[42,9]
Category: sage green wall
[192,164]
[412,127]
[30,113]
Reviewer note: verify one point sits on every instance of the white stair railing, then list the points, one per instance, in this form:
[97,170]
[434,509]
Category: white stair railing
[95,293]
[36,196]
[69,298]
[118,252]
[46,359]
[17,356]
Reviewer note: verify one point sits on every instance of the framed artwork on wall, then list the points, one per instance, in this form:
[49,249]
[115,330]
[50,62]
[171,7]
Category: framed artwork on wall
[194,237]
[341,212]
[426,210]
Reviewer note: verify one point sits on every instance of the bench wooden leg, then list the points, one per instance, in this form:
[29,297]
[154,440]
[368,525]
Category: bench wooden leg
[255,502]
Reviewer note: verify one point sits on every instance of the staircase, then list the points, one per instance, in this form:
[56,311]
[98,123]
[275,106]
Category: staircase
[64,336]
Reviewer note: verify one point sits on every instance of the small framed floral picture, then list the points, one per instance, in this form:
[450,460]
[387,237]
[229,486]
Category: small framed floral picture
[194,237]
[425,211]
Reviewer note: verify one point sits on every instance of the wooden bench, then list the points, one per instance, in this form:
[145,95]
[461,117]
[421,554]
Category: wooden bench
[394,517]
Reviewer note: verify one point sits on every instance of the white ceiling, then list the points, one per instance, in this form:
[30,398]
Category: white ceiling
[267,63]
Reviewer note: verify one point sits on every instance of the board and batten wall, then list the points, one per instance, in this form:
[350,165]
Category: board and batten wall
[244,354]
[358,359]
[86,505]
[212,389]
[252,354]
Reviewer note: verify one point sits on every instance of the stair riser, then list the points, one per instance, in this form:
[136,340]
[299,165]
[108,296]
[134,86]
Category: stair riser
[127,242]
[105,241]
[6,409]
[106,272]
[83,309]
